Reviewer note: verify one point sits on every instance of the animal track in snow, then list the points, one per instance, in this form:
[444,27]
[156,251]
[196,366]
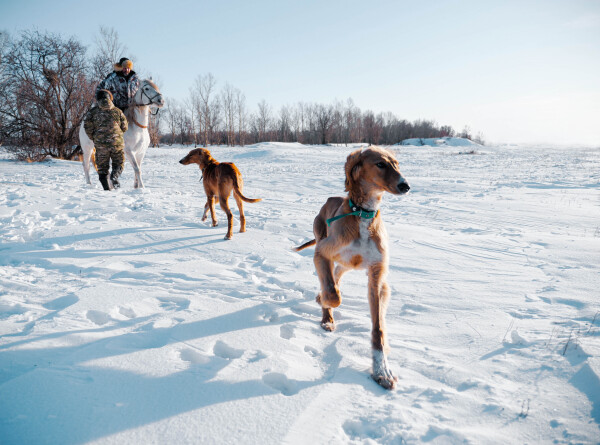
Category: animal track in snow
[61,303]
[127,312]
[98,317]
[286,331]
[174,303]
[225,351]
[193,356]
[281,383]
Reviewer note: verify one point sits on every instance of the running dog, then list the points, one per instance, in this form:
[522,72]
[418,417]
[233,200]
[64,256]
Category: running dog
[219,180]
[349,233]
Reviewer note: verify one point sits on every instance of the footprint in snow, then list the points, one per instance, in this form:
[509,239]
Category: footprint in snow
[98,317]
[174,303]
[286,331]
[281,383]
[194,356]
[225,351]
[61,303]
[127,312]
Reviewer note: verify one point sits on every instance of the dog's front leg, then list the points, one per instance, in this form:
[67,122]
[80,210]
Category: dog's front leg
[211,206]
[329,297]
[379,294]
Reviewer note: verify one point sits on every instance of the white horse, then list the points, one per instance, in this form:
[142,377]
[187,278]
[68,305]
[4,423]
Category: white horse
[136,137]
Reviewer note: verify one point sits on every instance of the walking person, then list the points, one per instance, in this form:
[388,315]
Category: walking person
[105,124]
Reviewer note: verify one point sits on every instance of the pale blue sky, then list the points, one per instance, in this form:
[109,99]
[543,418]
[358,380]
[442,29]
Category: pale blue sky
[518,71]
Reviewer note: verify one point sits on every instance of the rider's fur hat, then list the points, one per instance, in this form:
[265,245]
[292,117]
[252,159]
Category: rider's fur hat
[102,94]
[123,63]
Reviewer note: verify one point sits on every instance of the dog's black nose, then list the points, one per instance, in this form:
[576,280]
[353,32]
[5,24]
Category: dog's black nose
[403,187]
[181,161]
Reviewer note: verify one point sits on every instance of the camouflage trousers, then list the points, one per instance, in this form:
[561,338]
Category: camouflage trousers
[103,157]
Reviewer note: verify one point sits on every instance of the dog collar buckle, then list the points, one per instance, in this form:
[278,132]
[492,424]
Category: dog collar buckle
[356,210]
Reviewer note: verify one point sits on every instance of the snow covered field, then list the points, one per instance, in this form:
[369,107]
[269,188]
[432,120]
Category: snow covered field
[124,319]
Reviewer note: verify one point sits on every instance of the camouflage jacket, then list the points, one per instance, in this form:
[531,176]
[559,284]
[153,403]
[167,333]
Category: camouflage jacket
[105,124]
[123,88]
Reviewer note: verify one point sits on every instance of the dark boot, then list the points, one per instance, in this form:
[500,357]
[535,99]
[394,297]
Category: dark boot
[104,181]
[114,177]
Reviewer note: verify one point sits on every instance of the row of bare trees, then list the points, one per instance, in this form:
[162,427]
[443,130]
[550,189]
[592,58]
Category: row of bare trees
[209,116]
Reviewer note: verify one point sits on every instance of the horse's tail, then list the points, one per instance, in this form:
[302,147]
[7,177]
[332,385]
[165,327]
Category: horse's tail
[238,183]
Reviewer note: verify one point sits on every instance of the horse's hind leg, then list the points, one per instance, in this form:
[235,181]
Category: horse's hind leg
[87,155]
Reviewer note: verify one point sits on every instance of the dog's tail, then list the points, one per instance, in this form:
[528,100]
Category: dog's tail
[238,190]
[312,242]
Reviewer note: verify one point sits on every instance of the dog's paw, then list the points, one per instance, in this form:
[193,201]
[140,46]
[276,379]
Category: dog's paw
[203,218]
[382,373]
[227,237]
[329,326]
[386,381]
[215,224]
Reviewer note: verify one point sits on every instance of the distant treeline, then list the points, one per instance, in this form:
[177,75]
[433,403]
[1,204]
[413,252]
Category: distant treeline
[47,84]
[209,116]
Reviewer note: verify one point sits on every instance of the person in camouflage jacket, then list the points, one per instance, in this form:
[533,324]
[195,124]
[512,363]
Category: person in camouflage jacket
[123,83]
[105,124]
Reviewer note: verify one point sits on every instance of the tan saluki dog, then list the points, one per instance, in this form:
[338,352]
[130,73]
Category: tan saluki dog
[219,180]
[349,233]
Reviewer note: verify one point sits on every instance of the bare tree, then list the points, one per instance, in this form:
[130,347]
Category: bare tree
[109,49]
[171,111]
[205,88]
[45,93]
[263,120]
[228,108]
[284,123]
[242,116]
[324,121]
[191,107]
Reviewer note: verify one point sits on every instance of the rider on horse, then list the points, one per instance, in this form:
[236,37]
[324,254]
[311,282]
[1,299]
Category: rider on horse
[123,83]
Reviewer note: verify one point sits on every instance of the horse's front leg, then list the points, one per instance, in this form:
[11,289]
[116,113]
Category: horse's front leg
[137,181]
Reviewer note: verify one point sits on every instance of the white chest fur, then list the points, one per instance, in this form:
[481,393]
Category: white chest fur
[361,252]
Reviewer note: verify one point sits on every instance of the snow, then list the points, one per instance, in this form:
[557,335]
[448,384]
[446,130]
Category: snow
[124,319]
[445,141]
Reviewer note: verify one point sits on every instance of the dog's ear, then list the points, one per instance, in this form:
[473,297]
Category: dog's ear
[353,166]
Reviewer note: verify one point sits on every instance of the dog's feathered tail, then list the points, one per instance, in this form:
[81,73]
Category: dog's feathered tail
[312,242]
[237,181]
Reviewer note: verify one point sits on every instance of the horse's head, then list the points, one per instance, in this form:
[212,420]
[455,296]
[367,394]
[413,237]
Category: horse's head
[149,94]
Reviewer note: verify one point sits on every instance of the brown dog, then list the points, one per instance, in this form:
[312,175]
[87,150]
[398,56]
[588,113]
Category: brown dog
[349,232]
[219,180]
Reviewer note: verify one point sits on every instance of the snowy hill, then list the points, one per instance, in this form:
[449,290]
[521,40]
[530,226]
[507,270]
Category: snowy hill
[440,142]
[124,319]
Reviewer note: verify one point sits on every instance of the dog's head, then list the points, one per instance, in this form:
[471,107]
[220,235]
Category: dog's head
[374,168]
[200,156]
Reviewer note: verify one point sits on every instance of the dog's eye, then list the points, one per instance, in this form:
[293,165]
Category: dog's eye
[380,164]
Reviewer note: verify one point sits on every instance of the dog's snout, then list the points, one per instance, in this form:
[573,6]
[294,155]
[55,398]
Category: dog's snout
[403,187]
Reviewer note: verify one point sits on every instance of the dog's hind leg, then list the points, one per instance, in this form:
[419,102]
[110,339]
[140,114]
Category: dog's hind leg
[225,207]
[379,294]
[240,205]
